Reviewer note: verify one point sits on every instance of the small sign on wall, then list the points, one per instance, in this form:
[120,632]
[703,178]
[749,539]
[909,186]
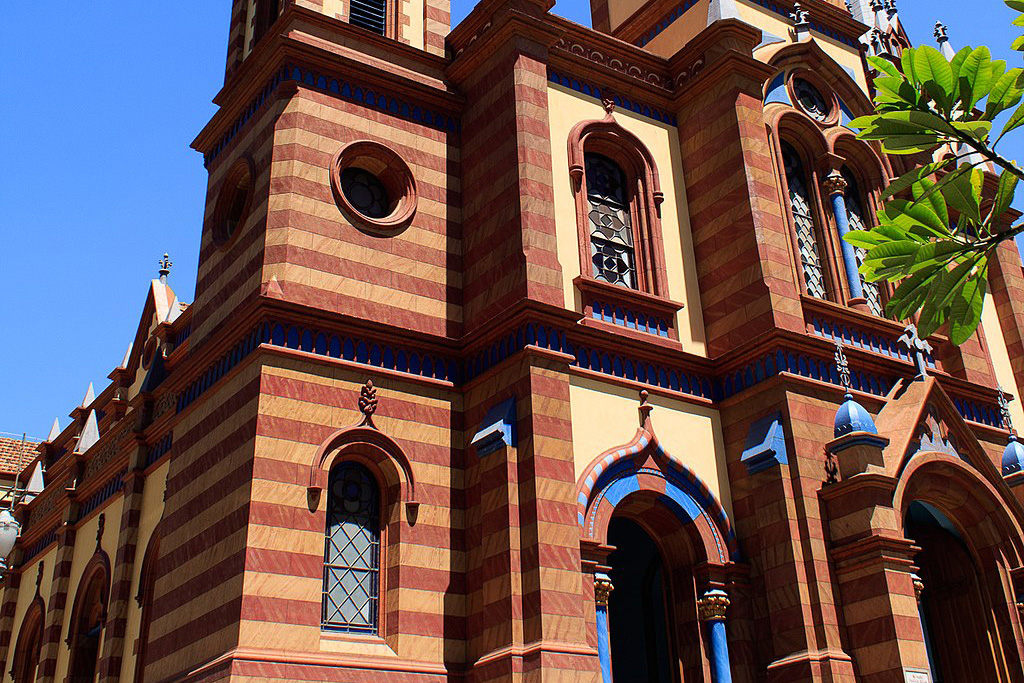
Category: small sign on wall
[916,676]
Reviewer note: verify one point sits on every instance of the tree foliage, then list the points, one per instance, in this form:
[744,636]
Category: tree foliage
[937,229]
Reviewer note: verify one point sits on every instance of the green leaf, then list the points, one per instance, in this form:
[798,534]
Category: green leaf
[964,194]
[1015,5]
[909,67]
[911,293]
[910,177]
[883,65]
[919,213]
[910,144]
[902,249]
[920,191]
[1004,193]
[1017,44]
[1015,121]
[865,239]
[967,304]
[958,61]
[935,75]
[1005,93]
[974,77]
[978,130]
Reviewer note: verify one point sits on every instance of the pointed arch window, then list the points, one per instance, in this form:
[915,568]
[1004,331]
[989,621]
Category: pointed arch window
[88,619]
[612,247]
[859,219]
[351,593]
[29,645]
[801,207]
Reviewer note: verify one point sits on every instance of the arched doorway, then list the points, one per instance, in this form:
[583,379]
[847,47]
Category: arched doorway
[638,609]
[955,610]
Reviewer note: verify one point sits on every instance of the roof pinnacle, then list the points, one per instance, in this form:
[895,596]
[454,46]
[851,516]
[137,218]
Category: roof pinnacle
[165,267]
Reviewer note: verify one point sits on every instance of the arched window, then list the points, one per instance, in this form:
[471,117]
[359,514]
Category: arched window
[30,643]
[369,14]
[144,598]
[87,621]
[801,207]
[859,219]
[352,551]
[612,247]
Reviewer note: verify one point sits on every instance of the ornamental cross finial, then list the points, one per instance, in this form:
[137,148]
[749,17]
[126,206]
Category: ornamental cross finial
[917,347]
[368,404]
[608,101]
[799,16]
[940,32]
[890,8]
[843,365]
[1004,410]
[165,267]
[877,5]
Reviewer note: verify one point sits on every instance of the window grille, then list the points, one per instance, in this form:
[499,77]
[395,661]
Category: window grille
[369,14]
[857,218]
[611,225]
[352,552]
[803,219]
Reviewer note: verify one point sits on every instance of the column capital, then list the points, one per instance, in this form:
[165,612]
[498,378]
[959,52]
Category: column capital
[712,605]
[602,589]
[918,586]
[834,183]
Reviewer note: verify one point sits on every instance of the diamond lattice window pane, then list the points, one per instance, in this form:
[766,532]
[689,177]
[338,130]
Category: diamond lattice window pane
[803,220]
[352,551]
[611,224]
[856,217]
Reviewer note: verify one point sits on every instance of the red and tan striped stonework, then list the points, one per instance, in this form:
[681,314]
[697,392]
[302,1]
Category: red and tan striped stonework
[319,337]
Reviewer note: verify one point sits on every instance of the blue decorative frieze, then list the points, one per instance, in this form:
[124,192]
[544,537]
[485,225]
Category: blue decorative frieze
[113,485]
[673,379]
[665,22]
[623,103]
[183,334]
[159,449]
[222,366]
[44,541]
[854,337]
[633,320]
[353,92]
[823,370]
[975,412]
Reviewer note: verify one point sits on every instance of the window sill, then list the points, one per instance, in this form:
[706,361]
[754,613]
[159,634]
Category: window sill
[627,310]
[355,643]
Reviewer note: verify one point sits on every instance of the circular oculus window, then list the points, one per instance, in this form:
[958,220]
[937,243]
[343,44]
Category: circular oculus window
[233,203]
[811,100]
[373,187]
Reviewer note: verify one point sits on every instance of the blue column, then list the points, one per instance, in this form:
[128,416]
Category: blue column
[711,609]
[602,589]
[835,185]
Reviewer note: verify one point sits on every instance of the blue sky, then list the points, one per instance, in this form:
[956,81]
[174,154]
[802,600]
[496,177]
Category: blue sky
[101,101]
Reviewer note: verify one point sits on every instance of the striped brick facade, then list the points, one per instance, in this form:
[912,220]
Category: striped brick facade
[455,355]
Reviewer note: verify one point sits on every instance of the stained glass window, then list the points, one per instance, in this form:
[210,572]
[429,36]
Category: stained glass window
[810,99]
[803,219]
[365,192]
[858,220]
[611,226]
[352,554]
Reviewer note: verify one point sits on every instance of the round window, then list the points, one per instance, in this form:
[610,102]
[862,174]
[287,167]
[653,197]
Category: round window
[365,192]
[373,187]
[810,99]
[233,203]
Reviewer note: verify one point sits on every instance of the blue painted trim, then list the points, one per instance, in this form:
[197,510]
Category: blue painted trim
[498,429]
[347,90]
[721,672]
[159,449]
[849,255]
[111,487]
[766,445]
[815,26]
[624,103]
[39,546]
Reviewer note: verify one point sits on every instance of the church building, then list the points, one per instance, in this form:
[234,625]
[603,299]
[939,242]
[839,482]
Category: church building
[526,352]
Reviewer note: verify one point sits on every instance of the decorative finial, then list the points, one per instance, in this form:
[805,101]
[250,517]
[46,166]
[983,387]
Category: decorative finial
[368,404]
[799,16]
[645,409]
[843,365]
[940,32]
[849,6]
[165,268]
[1004,410]
[917,347]
[890,8]
[877,5]
[39,576]
[100,526]
[608,101]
